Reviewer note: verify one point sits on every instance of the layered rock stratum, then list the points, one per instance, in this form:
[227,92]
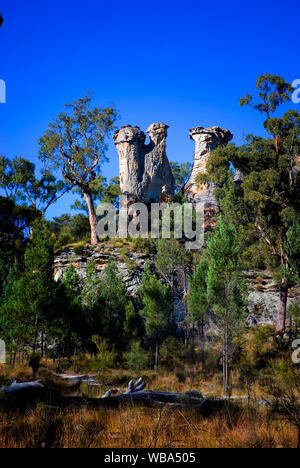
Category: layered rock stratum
[263,292]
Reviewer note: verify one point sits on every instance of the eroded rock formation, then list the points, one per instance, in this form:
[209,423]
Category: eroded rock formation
[145,172]
[206,140]
[263,292]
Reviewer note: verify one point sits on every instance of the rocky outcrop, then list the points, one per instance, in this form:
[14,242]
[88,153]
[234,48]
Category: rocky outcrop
[296,168]
[206,140]
[130,265]
[145,172]
[262,299]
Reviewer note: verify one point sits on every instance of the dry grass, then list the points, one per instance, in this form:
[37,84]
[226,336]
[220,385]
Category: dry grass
[150,428]
[242,427]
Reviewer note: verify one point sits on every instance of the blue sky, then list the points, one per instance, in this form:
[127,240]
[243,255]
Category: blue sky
[182,63]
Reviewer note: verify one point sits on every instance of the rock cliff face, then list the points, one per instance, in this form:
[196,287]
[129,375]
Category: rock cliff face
[145,172]
[206,140]
[263,294]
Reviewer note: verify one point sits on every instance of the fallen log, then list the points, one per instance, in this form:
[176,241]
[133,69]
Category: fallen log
[22,395]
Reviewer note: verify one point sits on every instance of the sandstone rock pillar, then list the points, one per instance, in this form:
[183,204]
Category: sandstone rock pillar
[206,140]
[130,142]
[145,172]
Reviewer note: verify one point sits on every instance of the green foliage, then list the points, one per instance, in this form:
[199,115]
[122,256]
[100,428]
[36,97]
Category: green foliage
[248,374]
[157,307]
[15,225]
[106,356]
[226,287]
[137,359]
[19,182]
[270,189]
[142,245]
[30,298]
[170,256]
[222,286]
[70,229]
[172,353]
[103,191]
[69,324]
[75,144]
[130,324]
[181,172]
[272,91]
[197,299]
[79,249]
[113,295]
[72,283]
[104,301]
[261,345]
[294,313]
[86,126]
[257,255]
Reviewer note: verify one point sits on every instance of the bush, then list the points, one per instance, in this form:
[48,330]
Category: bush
[87,238]
[137,359]
[248,374]
[141,245]
[172,353]
[79,249]
[106,358]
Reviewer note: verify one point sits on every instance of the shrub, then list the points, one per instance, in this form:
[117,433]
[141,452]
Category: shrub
[248,374]
[105,357]
[87,238]
[137,359]
[141,245]
[172,353]
[79,249]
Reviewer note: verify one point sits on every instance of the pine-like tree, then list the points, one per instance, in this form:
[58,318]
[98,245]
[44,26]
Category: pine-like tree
[226,288]
[157,311]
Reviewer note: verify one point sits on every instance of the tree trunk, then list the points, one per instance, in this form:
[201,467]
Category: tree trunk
[225,360]
[281,316]
[202,345]
[186,310]
[92,216]
[156,356]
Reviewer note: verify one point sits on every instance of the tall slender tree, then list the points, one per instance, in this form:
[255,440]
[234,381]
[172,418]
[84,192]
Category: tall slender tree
[197,299]
[157,311]
[226,287]
[75,144]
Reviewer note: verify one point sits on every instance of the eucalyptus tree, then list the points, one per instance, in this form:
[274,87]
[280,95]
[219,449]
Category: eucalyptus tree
[18,181]
[270,188]
[75,144]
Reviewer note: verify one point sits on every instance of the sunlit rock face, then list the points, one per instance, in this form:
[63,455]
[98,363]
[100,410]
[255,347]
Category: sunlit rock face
[130,143]
[145,172]
[206,140]
[296,167]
